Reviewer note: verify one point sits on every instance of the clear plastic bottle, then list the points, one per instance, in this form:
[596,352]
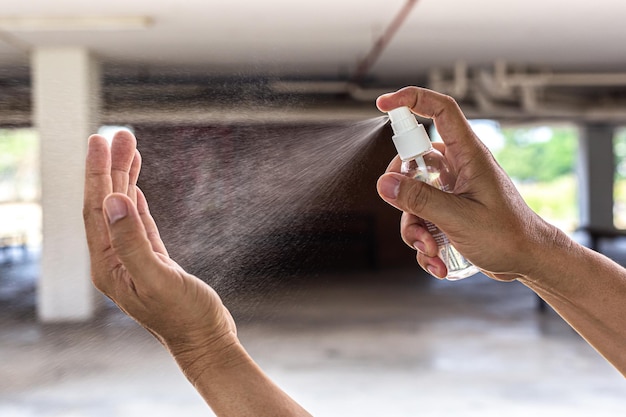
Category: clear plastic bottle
[423,162]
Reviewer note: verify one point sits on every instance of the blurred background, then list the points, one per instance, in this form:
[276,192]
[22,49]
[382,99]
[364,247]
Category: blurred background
[262,145]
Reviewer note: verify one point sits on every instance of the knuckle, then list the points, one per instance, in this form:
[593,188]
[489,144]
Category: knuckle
[412,231]
[153,235]
[449,101]
[417,198]
[125,243]
[88,214]
[429,242]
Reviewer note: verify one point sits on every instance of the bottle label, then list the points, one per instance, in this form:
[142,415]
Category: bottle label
[439,236]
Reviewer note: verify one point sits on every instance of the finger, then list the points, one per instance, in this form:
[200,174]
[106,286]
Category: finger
[97,187]
[447,115]
[130,242]
[416,235]
[133,176]
[122,154]
[433,265]
[152,232]
[418,198]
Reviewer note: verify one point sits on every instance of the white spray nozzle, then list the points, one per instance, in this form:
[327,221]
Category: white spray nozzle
[410,137]
[402,120]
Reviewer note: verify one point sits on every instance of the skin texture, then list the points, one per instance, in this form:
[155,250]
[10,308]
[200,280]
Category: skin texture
[129,264]
[486,219]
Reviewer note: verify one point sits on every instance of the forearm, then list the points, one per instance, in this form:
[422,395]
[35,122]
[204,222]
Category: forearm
[588,290]
[234,385]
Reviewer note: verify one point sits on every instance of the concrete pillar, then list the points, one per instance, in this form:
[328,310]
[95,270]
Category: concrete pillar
[596,176]
[66,96]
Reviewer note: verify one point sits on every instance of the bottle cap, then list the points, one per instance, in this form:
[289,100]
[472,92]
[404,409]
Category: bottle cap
[410,137]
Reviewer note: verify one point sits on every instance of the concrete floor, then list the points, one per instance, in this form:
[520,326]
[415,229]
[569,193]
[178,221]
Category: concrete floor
[393,343]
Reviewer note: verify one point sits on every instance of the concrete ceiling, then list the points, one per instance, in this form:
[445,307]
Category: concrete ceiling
[325,40]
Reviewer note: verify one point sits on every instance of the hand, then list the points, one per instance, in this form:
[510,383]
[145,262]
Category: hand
[129,262]
[484,217]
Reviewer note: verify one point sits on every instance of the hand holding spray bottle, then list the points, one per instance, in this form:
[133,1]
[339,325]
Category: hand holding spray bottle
[423,162]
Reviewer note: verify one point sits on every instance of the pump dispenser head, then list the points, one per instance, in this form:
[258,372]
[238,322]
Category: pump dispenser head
[410,137]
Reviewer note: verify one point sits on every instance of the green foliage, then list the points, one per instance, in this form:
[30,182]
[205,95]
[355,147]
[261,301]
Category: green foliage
[538,154]
[619,148]
[541,161]
[18,147]
[554,200]
[619,208]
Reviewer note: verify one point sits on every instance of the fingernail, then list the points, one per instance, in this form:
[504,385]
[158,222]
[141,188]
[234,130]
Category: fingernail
[390,187]
[433,271]
[115,209]
[419,246]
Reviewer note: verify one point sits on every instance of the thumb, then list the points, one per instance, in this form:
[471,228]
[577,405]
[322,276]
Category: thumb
[128,237]
[416,197]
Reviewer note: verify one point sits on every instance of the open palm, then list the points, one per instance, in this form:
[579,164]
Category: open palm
[129,262]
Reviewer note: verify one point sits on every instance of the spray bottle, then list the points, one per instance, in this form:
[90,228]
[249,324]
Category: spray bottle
[423,162]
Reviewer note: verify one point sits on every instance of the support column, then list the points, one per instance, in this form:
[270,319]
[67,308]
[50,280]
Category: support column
[66,97]
[596,176]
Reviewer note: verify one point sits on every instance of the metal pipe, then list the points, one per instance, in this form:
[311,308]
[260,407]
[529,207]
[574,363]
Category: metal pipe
[381,43]
[568,80]
[226,115]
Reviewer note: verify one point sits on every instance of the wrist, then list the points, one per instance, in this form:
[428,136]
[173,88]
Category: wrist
[214,355]
[549,252]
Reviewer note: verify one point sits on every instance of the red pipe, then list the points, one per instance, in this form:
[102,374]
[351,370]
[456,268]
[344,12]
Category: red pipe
[381,43]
